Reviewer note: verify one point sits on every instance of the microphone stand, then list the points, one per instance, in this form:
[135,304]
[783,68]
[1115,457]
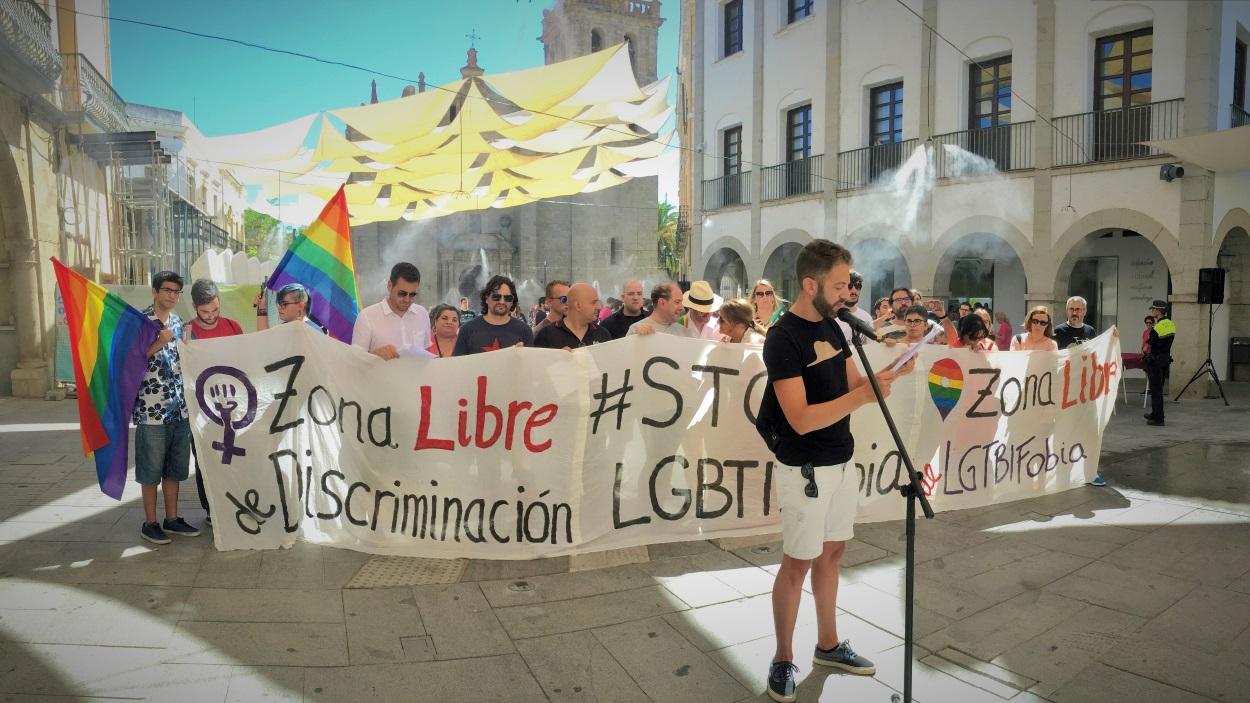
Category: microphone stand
[913,492]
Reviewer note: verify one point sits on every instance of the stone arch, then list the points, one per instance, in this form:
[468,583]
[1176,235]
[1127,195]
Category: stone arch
[880,255]
[1111,218]
[1232,319]
[1125,16]
[1083,260]
[1233,219]
[986,47]
[972,249]
[726,269]
[779,257]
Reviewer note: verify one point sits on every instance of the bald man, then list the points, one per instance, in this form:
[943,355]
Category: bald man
[632,302]
[577,328]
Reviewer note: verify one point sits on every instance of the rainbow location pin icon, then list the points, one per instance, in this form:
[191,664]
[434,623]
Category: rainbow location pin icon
[946,383]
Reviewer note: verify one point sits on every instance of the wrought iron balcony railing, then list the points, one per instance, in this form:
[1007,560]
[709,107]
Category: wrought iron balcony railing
[1006,147]
[727,191]
[84,91]
[1239,116]
[798,177]
[858,168]
[1116,135]
[26,43]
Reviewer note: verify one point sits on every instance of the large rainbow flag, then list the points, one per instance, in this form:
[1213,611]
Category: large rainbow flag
[321,260]
[109,340]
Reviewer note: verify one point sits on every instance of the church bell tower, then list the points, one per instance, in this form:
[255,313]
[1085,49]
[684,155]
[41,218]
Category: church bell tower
[575,28]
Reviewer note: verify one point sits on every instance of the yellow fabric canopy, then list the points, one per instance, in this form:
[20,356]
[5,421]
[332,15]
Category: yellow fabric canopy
[484,141]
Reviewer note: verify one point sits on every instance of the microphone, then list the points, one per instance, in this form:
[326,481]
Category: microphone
[857,324]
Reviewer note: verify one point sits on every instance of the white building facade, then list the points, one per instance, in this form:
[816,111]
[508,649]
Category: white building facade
[996,158]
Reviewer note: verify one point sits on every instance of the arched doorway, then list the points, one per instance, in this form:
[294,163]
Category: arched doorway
[983,268]
[883,267]
[1118,272]
[727,274]
[780,270]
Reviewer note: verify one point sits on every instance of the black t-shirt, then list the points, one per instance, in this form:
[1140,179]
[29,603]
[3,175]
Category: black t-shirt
[478,335]
[617,324]
[813,350]
[557,336]
[1066,335]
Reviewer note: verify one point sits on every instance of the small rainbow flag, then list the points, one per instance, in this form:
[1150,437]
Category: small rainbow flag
[321,260]
[109,340]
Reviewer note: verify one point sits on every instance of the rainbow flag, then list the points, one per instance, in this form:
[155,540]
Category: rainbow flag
[109,340]
[321,260]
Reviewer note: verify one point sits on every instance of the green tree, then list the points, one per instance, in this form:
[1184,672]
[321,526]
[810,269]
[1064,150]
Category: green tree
[668,238]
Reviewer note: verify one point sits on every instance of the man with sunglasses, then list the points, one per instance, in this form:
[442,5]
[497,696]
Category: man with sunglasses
[496,328]
[396,324]
[557,299]
[805,418]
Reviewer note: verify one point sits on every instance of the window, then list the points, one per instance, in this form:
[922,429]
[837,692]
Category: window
[799,133]
[733,27]
[731,150]
[886,121]
[989,93]
[731,157]
[1122,95]
[1123,74]
[989,110]
[596,40]
[798,9]
[1239,74]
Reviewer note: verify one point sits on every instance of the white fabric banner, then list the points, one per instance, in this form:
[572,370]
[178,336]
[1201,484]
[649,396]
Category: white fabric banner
[524,453]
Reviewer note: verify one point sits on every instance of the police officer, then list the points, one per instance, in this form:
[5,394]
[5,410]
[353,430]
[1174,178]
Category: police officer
[1158,359]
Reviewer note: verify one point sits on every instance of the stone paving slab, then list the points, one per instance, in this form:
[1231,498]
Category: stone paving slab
[501,678]
[665,665]
[577,667]
[378,622]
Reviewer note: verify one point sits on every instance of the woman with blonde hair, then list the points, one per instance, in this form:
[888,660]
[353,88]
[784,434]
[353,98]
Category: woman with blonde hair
[737,323]
[768,306]
[1039,334]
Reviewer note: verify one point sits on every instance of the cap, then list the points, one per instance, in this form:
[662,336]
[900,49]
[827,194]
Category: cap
[1159,305]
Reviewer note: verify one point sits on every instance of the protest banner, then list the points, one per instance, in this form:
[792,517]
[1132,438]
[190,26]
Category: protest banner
[525,453]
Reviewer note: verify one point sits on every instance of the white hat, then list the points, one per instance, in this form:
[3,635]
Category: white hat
[700,297]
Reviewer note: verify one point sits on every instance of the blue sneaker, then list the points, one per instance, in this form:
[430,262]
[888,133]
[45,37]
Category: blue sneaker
[1098,480]
[152,532]
[178,526]
[781,681]
[845,658]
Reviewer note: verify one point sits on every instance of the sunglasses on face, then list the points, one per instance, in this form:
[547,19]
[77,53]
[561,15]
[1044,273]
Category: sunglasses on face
[914,321]
[403,294]
[507,298]
[856,286]
[763,294]
[807,472]
[1038,321]
[563,299]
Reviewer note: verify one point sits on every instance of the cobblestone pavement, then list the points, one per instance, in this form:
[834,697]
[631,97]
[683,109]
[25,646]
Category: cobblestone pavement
[1136,592]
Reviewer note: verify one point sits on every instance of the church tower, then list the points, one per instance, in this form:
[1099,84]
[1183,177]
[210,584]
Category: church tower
[578,27]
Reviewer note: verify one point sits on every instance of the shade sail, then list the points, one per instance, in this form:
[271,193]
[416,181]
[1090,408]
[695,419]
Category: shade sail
[1223,151]
[484,141]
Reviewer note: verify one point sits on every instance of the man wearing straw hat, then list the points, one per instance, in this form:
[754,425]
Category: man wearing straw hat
[701,304]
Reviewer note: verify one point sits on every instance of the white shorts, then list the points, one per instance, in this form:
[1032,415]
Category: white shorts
[807,523]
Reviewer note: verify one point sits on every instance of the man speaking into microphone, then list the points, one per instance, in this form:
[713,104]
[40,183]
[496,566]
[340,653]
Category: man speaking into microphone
[805,417]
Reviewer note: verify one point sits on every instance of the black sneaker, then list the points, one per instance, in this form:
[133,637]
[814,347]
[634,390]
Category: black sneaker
[178,526]
[781,681]
[152,532]
[1155,423]
[845,658]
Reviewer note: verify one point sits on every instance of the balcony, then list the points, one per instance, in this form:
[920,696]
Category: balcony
[798,177]
[1116,135]
[27,50]
[1239,117]
[982,151]
[85,93]
[860,167]
[727,191]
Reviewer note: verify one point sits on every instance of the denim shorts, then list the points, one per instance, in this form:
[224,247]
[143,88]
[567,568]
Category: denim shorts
[162,452]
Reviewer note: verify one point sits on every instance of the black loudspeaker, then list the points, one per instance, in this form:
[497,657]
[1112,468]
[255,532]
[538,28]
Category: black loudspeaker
[1210,286]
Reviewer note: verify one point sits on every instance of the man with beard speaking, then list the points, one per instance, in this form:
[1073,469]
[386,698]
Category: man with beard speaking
[805,418]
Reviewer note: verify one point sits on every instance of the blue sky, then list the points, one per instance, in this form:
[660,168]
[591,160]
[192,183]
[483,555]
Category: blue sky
[226,88]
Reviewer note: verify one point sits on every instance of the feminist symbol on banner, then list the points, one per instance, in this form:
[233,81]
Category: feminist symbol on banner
[225,400]
[946,383]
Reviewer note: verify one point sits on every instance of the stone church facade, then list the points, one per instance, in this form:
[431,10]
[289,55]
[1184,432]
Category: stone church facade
[604,237]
